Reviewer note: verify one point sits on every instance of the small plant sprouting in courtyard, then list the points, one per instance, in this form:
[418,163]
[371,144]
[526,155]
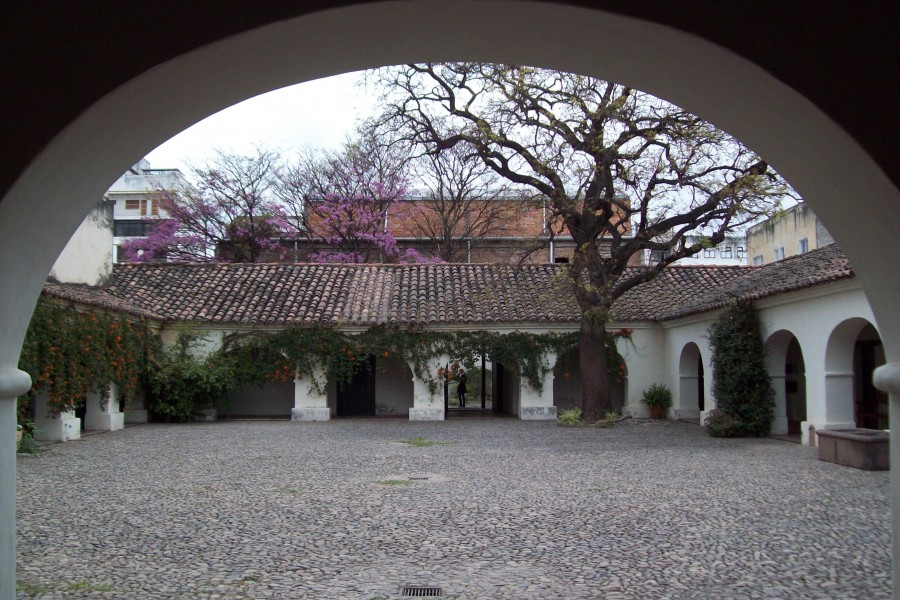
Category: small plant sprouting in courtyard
[394,482]
[420,442]
[27,444]
[570,417]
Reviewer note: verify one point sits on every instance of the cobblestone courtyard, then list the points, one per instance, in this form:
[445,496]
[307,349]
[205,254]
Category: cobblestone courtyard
[504,509]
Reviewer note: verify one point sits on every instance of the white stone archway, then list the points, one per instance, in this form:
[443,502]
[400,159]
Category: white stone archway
[785,378]
[79,164]
[842,373]
[691,402]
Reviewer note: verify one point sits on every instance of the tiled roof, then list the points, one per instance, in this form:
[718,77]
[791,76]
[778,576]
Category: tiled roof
[303,294]
[92,296]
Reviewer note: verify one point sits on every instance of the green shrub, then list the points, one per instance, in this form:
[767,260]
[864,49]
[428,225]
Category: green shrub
[718,424]
[658,395]
[182,383]
[741,383]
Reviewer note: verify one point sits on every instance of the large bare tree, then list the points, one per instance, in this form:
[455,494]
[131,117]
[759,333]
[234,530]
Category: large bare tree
[613,163]
[463,201]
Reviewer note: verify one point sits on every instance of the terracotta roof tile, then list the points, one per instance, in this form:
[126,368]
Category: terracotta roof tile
[366,295]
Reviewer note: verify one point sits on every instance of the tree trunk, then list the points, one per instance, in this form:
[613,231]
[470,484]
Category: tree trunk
[594,372]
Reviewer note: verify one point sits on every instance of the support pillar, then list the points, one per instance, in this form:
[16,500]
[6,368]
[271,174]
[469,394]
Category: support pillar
[311,397]
[837,410]
[104,416]
[780,420]
[428,393]
[61,427]
[537,405]
[887,379]
[136,412]
[13,383]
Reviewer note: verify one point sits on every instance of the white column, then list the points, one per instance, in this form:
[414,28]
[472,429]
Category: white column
[311,397]
[60,427]
[428,393]
[104,416]
[13,383]
[780,422]
[537,405]
[136,412]
[688,398]
[887,379]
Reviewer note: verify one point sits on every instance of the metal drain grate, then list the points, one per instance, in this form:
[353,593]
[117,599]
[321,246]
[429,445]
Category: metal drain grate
[418,479]
[422,592]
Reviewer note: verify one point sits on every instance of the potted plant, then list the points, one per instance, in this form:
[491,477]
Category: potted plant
[658,399]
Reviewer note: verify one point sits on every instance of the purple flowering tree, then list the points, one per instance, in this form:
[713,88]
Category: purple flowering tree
[232,215]
[354,229]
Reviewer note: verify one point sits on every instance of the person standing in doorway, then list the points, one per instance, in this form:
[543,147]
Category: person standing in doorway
[461,388]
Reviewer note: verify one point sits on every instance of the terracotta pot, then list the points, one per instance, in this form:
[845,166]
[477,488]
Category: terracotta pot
[658,412]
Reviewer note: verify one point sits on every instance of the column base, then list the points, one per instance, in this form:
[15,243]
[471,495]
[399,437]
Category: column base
[206,414]
[106,422]
[62,428]
[137,416]
[537,413]
[687,414]
[779,426]
[426,414]
[311,414]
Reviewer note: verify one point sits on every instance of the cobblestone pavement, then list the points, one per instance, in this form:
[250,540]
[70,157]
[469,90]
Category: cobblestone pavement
[504,509]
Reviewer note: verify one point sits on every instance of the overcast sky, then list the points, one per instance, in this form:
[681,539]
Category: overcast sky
[317,113]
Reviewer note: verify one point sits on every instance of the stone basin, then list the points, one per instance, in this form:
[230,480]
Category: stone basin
[867,449]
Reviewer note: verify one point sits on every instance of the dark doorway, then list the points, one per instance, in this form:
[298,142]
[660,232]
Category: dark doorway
[498,373]
[356,398]
[872,403]
[701,387]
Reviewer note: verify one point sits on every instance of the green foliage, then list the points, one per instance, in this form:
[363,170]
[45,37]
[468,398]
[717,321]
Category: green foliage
[180,383]
[570,417]
[741,383]
[420,442]
[261,357]
[27,444]
[718,424]
[658,394]
[69,354]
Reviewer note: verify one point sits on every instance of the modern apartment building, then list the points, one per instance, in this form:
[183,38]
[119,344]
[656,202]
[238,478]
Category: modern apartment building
[796,231]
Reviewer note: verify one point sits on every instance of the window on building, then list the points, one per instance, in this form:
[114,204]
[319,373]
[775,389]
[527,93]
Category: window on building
[727,252]
[741,252]
[709,253]
[143,205]
[132,228]
[561,259]
[803,246]
[758,259]
[779,253]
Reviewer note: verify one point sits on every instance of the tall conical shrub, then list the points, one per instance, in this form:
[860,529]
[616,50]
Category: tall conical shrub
[741,383]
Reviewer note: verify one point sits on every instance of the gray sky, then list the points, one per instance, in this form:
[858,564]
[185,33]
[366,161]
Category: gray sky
[318,113]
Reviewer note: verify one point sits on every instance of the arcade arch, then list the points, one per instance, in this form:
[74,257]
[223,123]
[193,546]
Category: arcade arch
[787,370]
[80,162]
[854,351]
[691,382]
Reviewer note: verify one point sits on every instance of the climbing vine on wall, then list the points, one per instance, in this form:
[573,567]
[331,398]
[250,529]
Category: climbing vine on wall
[69,354]
[270,356]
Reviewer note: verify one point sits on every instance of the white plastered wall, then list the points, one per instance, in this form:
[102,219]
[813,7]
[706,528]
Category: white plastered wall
[798,139]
